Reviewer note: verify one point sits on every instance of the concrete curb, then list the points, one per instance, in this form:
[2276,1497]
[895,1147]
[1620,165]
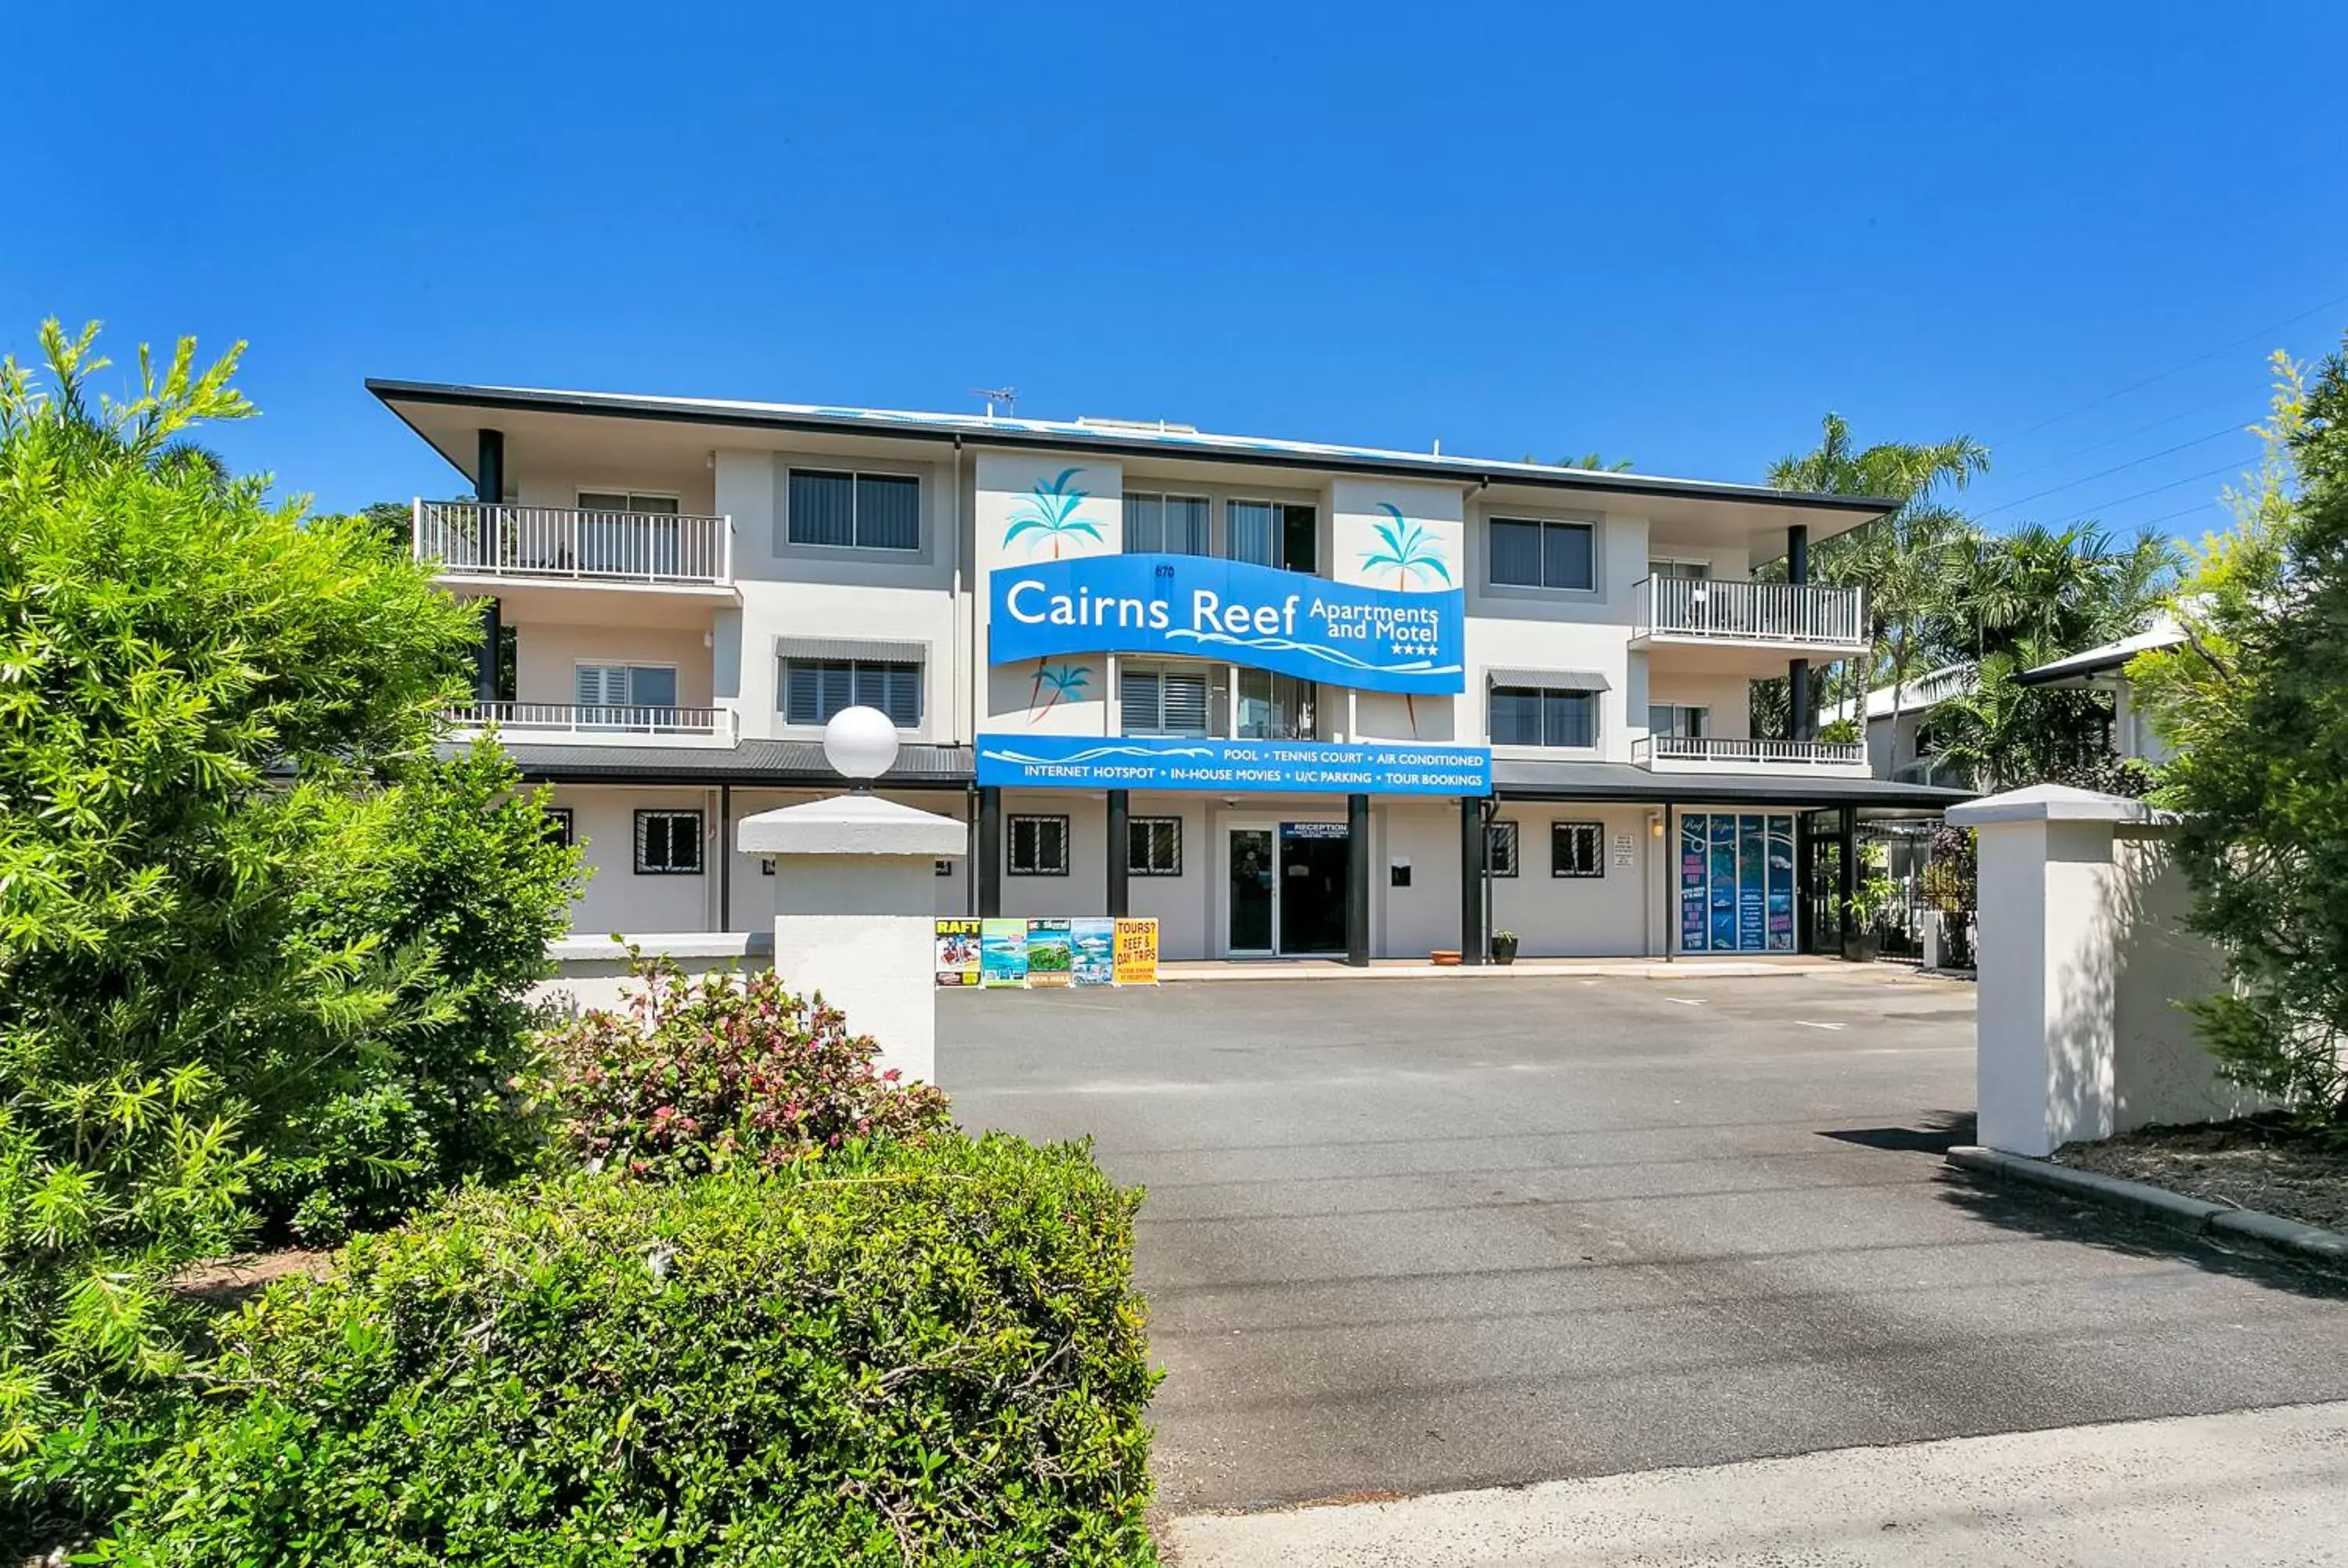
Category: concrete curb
[2196,1217]
[1630,970]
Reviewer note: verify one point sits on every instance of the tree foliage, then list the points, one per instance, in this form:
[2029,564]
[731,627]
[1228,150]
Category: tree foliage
[259,952]
[2255,702]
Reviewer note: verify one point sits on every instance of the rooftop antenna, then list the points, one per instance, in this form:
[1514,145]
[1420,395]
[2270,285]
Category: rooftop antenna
[1006,395]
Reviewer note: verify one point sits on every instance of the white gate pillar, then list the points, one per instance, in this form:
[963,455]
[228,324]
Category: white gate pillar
[856,897]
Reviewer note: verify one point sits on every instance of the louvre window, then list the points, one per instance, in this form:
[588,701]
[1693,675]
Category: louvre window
[816,689]
[1163,702]
[1165,524]
[624,687]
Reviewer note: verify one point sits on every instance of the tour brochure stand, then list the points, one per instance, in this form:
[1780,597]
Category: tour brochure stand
[1041,954]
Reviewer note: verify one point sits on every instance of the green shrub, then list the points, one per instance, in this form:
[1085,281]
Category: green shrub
[893,1354]
[698,1073]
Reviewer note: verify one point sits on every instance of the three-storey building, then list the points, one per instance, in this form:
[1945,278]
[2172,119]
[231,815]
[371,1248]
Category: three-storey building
[1287,698]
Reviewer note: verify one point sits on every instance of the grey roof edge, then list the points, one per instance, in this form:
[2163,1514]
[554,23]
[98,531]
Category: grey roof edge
[2074,668]
[390,391]
[772,765]
[1628,782]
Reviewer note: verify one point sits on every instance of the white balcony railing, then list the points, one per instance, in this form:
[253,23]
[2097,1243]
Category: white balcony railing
[1737,610]
[1790,755]
[570,721]
[567,543]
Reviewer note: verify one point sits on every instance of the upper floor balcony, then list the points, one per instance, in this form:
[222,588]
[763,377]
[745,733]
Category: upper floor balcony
[572,723]
[507,546]
[1739,617]
[1718,754]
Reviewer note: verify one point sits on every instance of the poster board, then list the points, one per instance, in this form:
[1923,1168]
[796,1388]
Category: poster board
[1137,952]
[1094,942]
[1002,953]
[957,953]
[1051,954]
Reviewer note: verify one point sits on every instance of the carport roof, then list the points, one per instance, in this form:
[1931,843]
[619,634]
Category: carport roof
[1519,780]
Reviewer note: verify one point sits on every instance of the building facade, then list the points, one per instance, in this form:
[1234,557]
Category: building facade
[1288,699]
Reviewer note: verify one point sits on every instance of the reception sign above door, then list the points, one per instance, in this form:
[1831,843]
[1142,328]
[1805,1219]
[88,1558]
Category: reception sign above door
[1204,607]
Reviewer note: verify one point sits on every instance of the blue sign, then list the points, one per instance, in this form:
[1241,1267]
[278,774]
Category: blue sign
[1202,606]
[1174,761]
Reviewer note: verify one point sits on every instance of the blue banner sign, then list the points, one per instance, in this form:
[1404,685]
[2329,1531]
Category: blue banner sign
[1204,607]
[1323,767]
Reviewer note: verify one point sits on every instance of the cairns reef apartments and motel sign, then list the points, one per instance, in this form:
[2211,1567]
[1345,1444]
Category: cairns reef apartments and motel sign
[1291,623]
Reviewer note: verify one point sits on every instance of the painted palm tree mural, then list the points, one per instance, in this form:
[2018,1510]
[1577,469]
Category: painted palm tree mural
[1049,512]
[1410,549]
[1067,682]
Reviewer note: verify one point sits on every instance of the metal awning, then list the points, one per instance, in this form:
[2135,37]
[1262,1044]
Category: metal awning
[1550,680]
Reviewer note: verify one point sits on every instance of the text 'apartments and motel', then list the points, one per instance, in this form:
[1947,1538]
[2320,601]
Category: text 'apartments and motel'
[1286,698]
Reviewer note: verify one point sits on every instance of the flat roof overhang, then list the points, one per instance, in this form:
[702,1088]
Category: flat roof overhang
[1629,784]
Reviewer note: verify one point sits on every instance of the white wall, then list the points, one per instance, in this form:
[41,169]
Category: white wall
[618,900]
[1606,916]
[1545,628]
[547,655]
[1729,698]
[754,889]
[1085,889]
[1424,917]
[1183,906]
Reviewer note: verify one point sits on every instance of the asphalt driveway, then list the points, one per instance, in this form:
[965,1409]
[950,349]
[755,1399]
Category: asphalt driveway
[1414,1235]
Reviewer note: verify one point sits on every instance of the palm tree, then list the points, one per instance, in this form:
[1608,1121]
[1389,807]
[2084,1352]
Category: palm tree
[1051,513]
[1410,549]
[1901,559]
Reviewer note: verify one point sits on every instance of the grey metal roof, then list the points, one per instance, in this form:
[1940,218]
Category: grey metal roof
[1520,780]
[768,763]
[1097,436]
[1548,679]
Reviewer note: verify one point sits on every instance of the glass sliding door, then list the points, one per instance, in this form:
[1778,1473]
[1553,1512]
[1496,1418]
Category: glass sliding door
[1253,876]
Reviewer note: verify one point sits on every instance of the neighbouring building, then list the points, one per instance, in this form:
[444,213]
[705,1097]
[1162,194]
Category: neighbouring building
[2105,668]
[1897,733]
[1287,698]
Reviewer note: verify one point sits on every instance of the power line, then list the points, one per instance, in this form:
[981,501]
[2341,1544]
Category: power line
[2174,369]
[2115,468]
[2157,489]
[2230,399]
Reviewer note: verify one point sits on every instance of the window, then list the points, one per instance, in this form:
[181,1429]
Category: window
[1537,716]
[558,825]
[1165,524]
[1679,722]
[1577,849]
[610,539]
[1153,847]
[1275,707]
[1659,567]
[1162,701]
[668,843]
[816,689]
[1500,848]
[624,690]
[1542,555]
[1270,533]
[866,511]
[1039,846]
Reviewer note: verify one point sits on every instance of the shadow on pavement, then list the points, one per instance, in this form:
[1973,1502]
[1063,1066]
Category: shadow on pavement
[1936,1132]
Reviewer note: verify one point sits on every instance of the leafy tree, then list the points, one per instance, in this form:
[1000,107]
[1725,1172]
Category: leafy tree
[2256,703]
[246,921]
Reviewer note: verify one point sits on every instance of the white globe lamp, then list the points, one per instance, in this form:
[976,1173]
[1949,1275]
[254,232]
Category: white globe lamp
[860,744]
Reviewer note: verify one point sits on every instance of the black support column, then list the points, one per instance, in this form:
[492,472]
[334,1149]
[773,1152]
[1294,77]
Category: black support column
[1357,881]
[989,869]
[1846,877]
[1801,717]
[1472,845]
[1120,853]
[490,489]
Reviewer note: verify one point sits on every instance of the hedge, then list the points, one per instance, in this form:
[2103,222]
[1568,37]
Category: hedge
[904,1355]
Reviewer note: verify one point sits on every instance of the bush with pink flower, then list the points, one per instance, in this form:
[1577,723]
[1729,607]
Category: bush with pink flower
[698,1074]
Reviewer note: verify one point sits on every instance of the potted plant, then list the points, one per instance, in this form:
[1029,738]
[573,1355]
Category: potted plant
[1504,947]
[1870,902]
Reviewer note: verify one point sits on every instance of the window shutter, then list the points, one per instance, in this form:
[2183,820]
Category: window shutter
[1184,699]
[602,685]
[1136,692]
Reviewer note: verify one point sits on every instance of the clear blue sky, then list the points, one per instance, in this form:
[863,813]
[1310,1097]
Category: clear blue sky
[1674,233]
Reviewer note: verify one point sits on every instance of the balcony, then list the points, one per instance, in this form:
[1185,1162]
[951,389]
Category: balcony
[568,724]
[1713,754]
[1780,619]
[565,545]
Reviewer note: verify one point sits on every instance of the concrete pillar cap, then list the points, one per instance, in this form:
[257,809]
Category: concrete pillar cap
[2053,802]
[853,824]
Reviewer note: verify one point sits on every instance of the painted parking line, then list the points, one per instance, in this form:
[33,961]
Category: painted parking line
[1684,1001]
[1810,1023]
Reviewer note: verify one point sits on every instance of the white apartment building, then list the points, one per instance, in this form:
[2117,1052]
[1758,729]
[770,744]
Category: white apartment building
[1287,698]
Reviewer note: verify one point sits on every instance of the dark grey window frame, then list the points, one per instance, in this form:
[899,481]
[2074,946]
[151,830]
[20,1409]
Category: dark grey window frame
[1497,833]
[1561,860]
[1136,825]
[783,686]
[1011,845]
[563,826]
[1588,528]
[856,478]
[644,814]
[1597,713]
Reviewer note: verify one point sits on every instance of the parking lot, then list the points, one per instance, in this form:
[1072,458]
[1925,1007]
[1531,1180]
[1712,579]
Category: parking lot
[1411,1236]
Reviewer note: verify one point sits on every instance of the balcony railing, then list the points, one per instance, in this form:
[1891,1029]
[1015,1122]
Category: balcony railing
[1791,755]
[1737,610]
[567,543]
[570,721]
